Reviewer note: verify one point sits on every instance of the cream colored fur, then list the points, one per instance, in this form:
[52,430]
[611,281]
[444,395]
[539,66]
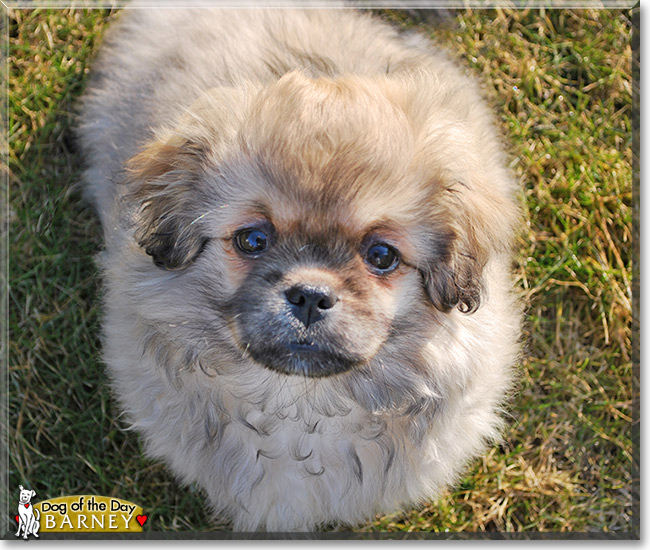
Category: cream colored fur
[332,104]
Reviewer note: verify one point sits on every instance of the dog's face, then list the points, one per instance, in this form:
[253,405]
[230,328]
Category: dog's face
[25,495]
[318,218]
[313,296]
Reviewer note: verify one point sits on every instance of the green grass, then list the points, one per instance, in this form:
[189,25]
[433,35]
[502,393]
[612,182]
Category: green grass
[560,82]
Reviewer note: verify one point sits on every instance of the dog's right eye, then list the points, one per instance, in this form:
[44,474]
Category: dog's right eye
[251,241]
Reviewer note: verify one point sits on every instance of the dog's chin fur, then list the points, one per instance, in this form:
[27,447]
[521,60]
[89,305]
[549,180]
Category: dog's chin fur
[331,132]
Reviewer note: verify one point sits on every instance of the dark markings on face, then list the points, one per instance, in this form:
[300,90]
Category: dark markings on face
[345,325]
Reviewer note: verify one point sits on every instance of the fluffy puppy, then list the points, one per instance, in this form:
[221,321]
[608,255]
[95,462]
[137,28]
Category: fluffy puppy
[308,223]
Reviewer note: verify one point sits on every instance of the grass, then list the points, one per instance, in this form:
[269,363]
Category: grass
[561,84]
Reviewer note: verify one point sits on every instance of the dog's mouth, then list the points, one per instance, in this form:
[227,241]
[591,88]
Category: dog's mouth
[304,345]
[302,357]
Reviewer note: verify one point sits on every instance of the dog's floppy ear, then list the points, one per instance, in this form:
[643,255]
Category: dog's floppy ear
[452,277]
[33,493]
[168,189]
[471,213]
[166,179]
[479,226]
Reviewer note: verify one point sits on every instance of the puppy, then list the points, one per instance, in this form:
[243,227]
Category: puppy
[308,223]
[27,517]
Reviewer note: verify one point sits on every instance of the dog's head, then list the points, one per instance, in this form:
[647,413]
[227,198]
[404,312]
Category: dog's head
[26,495]
[325,219]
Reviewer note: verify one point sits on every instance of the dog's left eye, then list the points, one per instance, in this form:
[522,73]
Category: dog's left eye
[382,257]
[251,241]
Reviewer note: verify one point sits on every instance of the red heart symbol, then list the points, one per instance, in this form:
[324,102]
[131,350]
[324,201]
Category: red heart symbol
[27,505]
[18,519]
[141,520]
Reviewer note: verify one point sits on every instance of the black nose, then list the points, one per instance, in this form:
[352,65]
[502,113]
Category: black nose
[310,303]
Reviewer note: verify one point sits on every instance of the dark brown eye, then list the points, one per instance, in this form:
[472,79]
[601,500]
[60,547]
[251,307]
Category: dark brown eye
[382,257]
[251,241]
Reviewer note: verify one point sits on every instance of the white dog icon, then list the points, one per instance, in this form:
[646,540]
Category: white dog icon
[27,519]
